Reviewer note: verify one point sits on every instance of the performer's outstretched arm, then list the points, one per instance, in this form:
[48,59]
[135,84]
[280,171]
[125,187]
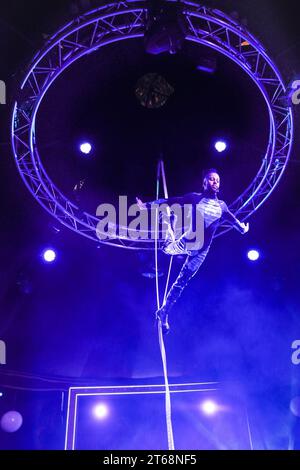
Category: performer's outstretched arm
[181,200]
[230,217]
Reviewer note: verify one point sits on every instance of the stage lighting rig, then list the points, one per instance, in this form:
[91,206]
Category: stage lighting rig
[165,28]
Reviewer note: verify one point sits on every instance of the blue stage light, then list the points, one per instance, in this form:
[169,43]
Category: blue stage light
[49,255]
[209,407]
[253,255]
[101,411]
[86,148]
[220,146]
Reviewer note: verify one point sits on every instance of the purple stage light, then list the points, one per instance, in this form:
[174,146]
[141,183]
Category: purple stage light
[209,407]
[100,411]
[49,255]
[220,146]
[253,255]
[85,148]
[11,421]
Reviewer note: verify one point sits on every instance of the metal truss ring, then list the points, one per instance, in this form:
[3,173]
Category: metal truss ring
[124,20]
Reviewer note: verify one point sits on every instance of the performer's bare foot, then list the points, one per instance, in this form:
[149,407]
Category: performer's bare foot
[162,316]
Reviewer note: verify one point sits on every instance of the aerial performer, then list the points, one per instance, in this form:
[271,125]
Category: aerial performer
[203,206]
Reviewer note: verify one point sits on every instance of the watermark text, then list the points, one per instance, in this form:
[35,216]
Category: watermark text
[296,352]
[2,92]
[2,352]
[296,93]
[163,221]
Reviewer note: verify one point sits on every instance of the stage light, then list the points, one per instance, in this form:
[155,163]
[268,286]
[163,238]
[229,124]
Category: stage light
[11,421]
[253,255]
[165,28]
[100,411]
[85,148]
[1,394]
[49,255]
[209,407]
[220,146]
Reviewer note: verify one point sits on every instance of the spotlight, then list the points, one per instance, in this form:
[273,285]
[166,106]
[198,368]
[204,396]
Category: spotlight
[209,407]
[49,255]
[11,421]
[100,411]
[1,394]
[85,148]
[220,146]
[165,28]
[253,255]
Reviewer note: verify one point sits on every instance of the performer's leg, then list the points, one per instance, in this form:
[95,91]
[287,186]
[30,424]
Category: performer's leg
[189,269]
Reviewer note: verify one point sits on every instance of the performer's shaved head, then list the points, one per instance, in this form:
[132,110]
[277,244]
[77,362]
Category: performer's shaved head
[211,180]
[207,171]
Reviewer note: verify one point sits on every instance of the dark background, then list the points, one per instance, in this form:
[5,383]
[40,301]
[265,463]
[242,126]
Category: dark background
[88,318]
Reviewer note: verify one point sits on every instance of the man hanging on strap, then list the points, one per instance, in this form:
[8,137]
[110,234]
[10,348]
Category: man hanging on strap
[213,212]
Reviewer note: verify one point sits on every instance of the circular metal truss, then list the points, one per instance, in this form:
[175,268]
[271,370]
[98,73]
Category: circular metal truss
[126,20]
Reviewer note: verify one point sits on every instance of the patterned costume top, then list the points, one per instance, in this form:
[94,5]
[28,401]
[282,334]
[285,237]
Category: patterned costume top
[212,210]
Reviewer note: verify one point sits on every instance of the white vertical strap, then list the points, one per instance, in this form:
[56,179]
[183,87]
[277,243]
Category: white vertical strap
[160,335]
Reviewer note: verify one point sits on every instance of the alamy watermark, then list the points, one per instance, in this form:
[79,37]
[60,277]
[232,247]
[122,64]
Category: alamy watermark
[296,93]
[2,92]
[296,353]
[162,222]
[2,352]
